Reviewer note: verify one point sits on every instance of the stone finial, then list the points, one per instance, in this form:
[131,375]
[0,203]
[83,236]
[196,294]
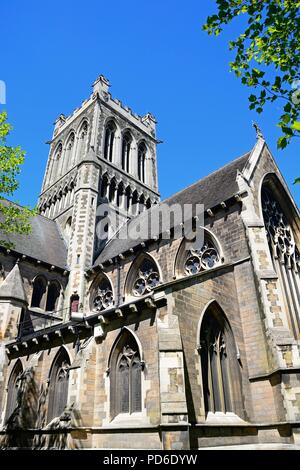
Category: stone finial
[12,287]
[100,85]
[59,121]
[149,120]
[259,134]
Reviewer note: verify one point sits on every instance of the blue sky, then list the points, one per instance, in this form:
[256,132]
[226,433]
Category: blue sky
[157,59]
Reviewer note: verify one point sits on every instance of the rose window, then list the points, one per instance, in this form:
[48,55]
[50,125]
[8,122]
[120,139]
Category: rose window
[201,260]
[285,256]
[279,232]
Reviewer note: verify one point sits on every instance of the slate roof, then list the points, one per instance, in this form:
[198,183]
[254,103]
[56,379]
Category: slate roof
[210,191]
[44,243]
[12,286]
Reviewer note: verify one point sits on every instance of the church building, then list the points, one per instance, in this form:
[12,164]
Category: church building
[113,341]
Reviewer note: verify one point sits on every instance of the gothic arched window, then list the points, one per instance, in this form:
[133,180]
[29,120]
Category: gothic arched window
[58,385]
[58,152]
[69,152]
[53,294]
[82,139]
[68,227]
[39,292]
[206,257]
[112,191]
[145,278]
[142,150]
[125,376]
[109,139]
[12,389]
[219,363]
[285,255]
[54,168]
[135,202]
[102,295]
[126,146]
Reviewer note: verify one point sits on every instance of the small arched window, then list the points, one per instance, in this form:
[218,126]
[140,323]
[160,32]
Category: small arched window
[202,259]
[128,198]
[144,278]
[120,194]
[219,363]
[82,139]
[109,140]
[112,191]
[12,389]
[104,192]
[69,152]
[39,292]
[58,385]
[58,152]
[142,150]
[135,203]
[83,130]
[126,146]
[101,295]
[125,376]
[68,227]
[54,167]
[71,141]
[53,295]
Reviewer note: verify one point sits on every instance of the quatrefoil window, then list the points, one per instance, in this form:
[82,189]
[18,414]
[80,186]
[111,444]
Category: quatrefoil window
[200,260]
[103,296]
[147,279]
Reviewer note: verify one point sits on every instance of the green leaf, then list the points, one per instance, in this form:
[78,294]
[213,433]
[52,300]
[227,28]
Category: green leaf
[282,143]
[296,126]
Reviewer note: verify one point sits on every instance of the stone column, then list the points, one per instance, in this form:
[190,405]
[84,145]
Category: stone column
[174,415]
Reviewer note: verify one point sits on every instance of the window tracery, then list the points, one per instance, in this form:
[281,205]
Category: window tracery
[202,259]
[285,255]
[109,141]
[147,278]
[126,376]
[102,296]
[58,385]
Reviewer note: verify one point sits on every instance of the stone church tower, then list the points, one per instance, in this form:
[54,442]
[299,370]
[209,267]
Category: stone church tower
[102,154]
[148,342]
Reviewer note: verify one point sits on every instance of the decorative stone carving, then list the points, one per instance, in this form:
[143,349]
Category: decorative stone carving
[201,260]
[147,279]
[279,232]
[102,296]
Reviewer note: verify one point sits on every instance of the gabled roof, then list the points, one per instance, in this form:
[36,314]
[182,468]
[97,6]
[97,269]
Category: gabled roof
[210,191]
[12,287]
[44,243]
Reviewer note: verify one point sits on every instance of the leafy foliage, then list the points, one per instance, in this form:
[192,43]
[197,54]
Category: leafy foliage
[267,55]
[13,218]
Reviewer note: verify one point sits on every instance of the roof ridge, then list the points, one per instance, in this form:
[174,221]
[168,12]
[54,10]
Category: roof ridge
[208,176]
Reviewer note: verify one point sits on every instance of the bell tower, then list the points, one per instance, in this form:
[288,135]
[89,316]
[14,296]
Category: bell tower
[103,153]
